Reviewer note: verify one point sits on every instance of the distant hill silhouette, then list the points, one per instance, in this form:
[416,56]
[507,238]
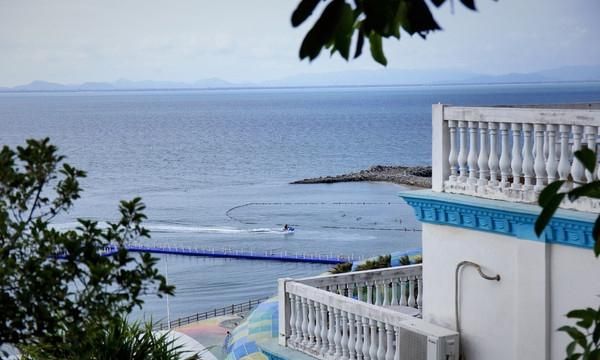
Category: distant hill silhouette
[341,78]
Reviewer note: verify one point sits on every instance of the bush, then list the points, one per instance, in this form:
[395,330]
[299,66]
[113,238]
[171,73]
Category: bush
[341,268]
[379,263]
[119,340]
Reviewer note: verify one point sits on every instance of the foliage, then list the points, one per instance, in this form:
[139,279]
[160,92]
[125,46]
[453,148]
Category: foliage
[553,194]
[119,340]
[404,260]
[379,263]
[341,268]
[54,300]
[418,259]
[588,338]
[368,19]
[586,333]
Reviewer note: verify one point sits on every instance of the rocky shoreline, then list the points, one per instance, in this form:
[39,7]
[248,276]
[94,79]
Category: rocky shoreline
[405,175]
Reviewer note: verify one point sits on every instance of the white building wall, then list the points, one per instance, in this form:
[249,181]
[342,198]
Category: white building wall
[514,318]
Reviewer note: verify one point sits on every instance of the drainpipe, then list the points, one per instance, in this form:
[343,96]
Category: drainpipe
[456,312]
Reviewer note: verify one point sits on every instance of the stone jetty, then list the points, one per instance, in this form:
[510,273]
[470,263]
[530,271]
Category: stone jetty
[405,175]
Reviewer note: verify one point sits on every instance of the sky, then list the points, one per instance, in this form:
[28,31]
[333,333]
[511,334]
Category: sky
[74,41]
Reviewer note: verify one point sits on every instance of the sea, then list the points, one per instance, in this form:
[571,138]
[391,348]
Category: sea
[214,169]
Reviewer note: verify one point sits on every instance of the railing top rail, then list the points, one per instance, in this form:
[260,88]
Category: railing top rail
[209,313]
[407,270]
[531,115]
[370,311]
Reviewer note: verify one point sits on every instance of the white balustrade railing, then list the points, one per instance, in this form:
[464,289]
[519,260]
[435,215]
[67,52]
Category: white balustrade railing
[390,286]
[330,326]
[512,153]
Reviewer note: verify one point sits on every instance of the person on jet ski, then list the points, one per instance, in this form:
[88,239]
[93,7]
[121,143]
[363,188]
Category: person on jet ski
[285,227]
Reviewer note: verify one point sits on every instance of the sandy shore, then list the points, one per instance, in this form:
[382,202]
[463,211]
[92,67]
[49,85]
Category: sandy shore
[405,175]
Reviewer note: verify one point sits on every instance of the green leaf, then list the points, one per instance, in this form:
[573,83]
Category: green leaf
[469,3]
[303,11]
[596,333]
[581,314]
[549,192]
[590,190]
[415,17]
[344,30]
[376,48]
[360,41]
[587,158]
[547,212]
[571,348]
[323,31]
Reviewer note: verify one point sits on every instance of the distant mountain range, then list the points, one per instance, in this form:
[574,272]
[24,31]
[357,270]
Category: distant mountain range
[342,78]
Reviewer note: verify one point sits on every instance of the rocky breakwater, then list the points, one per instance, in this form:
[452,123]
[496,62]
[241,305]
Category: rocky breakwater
[405,175]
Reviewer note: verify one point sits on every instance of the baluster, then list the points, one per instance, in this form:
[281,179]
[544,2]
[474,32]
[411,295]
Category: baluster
[483,159]
[462,153]
[374,343]
[331,332]
[551,162]
[337,339]
[493,158]
[351,288]
[378,293]
[305,335]
[564,167]
[403,301]
[292,318]
[516,163]
[311,323]
[366,338]
[397,337]
[389,330]
[359,292]
[394,292]
[351,337]
[505,169]
[381,349]
[386,293]
[419,292]
[540,162]
[577,169]
[344,339]
[359,338]
[369,293]
[546,146]
[453,156]
[472,157]
[590,136]
[528,170]
[317,328]
[298,319]
[324,340]
[411,292]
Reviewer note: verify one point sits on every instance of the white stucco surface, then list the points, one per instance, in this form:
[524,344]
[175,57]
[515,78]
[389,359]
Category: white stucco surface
[514,318]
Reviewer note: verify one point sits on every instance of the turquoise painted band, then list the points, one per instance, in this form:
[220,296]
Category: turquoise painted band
[567,227]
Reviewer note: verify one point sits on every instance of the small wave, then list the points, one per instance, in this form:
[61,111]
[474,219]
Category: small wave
[180,229]
[208,229]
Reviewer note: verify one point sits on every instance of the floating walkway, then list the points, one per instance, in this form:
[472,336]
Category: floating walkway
[240,254]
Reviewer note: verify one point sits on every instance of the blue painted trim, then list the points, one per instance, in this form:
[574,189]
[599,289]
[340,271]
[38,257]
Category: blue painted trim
[567,227]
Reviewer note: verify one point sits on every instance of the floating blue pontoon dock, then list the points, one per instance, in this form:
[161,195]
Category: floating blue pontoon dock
[239,254]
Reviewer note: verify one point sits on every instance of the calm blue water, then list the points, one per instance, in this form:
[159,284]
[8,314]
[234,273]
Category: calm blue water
[194,155]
